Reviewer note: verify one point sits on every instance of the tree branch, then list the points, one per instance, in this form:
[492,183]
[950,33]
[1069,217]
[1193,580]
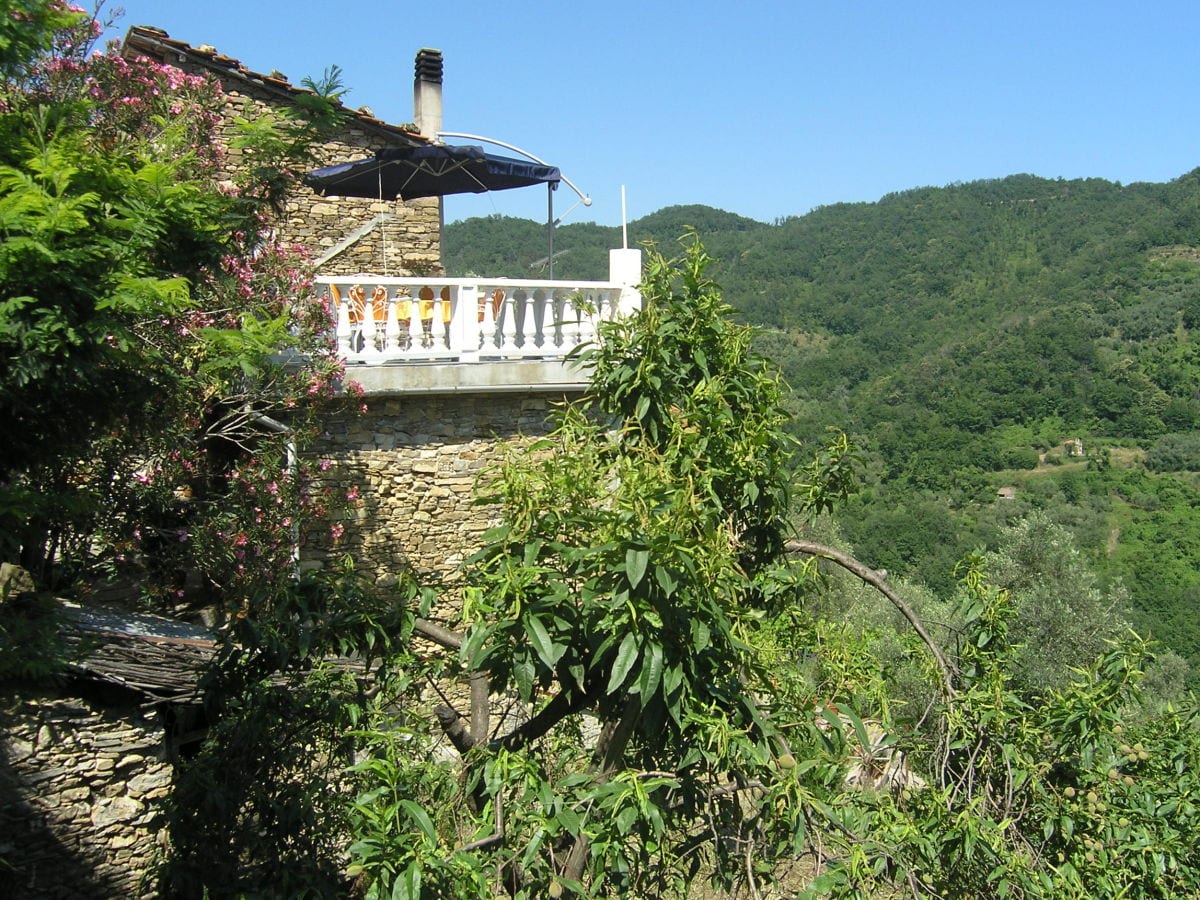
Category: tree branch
[948,670]
[551,714]
[481,707]
[451,640]
[454,729]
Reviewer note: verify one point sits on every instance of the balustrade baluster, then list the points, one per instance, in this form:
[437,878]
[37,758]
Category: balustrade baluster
[342,320]
[425,312]
[402,314]
[377,341]
[446,307]
[554,339]
[508,321]
[575,320]
[536,323]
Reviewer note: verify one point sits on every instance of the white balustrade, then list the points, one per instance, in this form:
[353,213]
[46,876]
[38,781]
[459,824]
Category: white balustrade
[383,321]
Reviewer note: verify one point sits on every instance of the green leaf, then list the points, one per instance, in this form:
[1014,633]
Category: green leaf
[635,565]
[408,885]
[643,407]
[627,655]
[701,636]
[548,651]
[665,580]
[651,673]
[418,815]
[523,673]
[625,819]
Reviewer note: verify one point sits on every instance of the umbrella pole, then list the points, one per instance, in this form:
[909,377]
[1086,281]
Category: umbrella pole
[550,224]
[385,243]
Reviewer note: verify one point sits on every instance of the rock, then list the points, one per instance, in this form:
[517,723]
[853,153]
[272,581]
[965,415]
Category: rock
[15,580]
[19,750]
[149,781]
[114,810]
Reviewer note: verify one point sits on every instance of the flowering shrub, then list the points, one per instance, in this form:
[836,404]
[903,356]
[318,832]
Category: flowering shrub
[28,30]
[198,354]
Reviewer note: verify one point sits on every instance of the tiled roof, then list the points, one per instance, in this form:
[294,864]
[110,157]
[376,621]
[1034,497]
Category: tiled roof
[145,40]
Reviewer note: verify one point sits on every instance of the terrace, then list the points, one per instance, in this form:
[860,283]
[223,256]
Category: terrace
[437,335]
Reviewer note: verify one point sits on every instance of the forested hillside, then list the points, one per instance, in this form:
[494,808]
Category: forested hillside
[962,335]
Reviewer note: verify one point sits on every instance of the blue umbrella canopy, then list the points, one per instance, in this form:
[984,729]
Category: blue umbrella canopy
[432,170]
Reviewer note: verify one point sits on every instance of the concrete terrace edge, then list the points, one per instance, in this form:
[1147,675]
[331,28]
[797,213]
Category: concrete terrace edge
[492,376]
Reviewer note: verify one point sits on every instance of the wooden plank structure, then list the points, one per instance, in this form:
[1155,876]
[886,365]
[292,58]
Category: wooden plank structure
[159,658]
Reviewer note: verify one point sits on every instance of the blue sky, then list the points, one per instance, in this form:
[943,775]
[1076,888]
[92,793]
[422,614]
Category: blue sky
[762,108]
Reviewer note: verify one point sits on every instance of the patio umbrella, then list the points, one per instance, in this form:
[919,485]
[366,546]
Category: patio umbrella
[432,170]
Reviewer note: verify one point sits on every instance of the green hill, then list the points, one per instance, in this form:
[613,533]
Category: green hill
[961,334]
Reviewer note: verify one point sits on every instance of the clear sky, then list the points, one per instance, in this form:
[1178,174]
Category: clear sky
[766,108]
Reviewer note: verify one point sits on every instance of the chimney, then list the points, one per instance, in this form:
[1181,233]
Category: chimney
[427,92]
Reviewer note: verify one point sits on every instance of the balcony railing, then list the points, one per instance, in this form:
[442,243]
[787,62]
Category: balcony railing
[382,321]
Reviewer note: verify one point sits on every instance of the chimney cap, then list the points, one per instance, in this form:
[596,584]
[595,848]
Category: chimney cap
[429,65]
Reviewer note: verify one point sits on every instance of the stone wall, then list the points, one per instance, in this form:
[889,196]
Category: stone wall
[412,463]
[81,781]
[407,243]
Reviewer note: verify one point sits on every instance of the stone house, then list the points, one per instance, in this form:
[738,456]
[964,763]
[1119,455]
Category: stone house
[453,369]
[348,235]
[457,369]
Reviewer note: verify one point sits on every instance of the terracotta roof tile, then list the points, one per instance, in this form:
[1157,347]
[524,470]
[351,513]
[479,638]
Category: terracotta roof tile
[146,40]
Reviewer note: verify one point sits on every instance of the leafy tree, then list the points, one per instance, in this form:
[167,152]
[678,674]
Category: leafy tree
[1062,619]
[1062,797]
[641,545]
[1178,452]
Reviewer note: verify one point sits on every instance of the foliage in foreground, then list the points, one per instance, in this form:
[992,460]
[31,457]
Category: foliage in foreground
[1078,794]
[142,308]
[612,612]
[636,623]
[262,807]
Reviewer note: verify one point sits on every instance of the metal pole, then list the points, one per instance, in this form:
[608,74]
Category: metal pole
[550,224]
[584,198]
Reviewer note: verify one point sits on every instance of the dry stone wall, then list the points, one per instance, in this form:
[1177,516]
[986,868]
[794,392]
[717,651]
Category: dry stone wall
[408,242]
[411,464]
[81,785]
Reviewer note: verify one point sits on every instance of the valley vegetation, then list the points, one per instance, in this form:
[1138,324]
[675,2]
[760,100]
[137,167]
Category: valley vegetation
[965,337]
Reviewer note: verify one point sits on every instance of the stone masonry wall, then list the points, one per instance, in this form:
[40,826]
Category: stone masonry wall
[409,243]
[412,463]
[80,787]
